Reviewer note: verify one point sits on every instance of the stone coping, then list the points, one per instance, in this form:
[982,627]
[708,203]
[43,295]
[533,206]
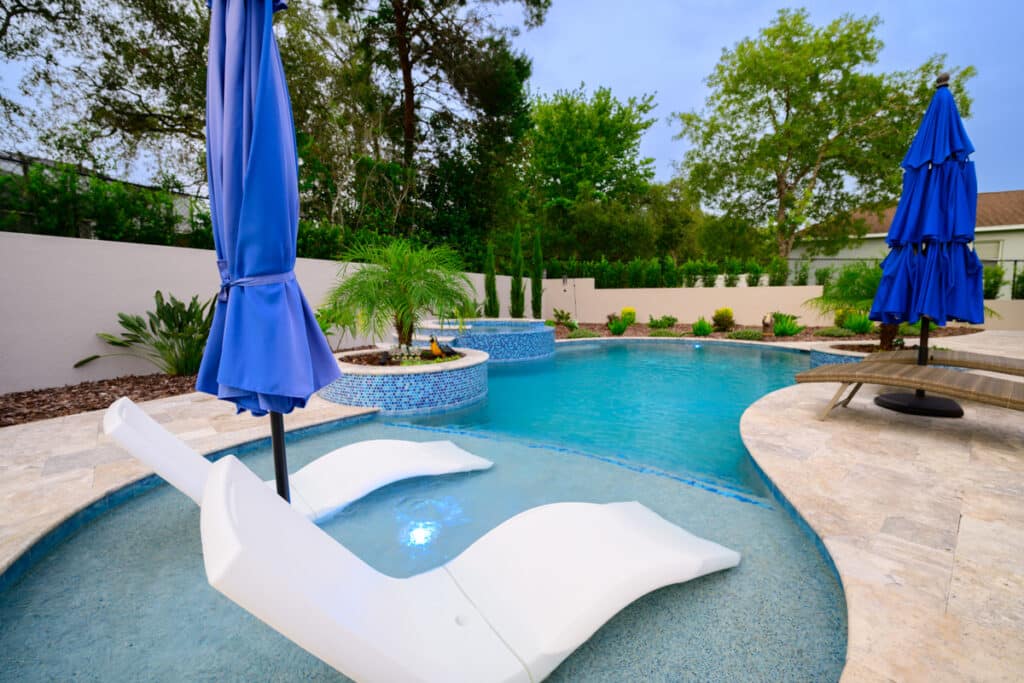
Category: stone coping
[470,358]
[923,519]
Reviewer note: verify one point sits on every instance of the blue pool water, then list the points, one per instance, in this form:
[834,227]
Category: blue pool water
[126,597]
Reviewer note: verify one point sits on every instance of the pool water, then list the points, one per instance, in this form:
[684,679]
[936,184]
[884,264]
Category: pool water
[126,598]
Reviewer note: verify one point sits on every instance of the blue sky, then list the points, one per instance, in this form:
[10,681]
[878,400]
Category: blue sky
[668,47]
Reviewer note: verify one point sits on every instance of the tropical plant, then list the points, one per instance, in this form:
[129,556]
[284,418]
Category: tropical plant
[748,335]
[172,337]
[663,323]
[616,325]
[583,334]
[854,288]
[563,318]
[628,315]
[785,325]
[859,323]
[397,283]
[723,320]
[537,277]
[701,328]
[517,298]
[993,278]
[336,320]
[491,306]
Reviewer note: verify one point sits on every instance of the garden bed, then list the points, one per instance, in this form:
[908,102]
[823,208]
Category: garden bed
[807,335]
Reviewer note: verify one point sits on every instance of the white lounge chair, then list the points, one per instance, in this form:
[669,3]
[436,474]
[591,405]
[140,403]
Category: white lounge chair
[319,489]
[511,607]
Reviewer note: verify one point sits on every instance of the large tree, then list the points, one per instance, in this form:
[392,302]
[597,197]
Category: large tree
[587,178]
[799,133]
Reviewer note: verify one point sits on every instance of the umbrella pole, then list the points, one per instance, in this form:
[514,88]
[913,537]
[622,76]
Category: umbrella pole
[280,459]
[922,348]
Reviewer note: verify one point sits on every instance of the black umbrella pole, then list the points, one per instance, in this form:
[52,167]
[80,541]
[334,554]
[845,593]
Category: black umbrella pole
[922,349]
[280,459]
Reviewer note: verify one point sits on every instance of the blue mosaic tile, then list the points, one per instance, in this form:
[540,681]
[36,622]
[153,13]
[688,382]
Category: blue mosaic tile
[826,358]
[409,394]
[523,340]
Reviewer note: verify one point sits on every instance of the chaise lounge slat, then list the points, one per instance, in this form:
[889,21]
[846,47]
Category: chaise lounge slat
[942,381]
[956,359]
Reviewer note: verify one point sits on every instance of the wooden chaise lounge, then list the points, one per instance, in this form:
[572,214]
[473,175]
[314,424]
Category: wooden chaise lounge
[956,359]
[1004,393]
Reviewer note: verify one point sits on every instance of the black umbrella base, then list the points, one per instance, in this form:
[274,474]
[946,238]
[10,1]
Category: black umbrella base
[930,406]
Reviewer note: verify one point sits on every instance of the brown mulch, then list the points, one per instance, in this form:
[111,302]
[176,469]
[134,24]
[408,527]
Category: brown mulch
[385,358]
[41,404]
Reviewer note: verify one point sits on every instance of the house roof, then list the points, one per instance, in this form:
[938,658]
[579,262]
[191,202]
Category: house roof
[994,209]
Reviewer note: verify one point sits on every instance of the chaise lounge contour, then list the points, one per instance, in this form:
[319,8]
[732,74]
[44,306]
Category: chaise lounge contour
[510,608]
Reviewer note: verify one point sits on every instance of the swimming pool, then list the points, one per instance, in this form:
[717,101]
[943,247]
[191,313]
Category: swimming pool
[126,596]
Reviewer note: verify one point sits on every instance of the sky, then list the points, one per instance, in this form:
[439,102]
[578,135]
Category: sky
[668,48]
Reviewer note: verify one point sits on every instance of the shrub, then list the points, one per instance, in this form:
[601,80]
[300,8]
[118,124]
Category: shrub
[834,332]
[733,268]
[689,273]
[173,338]
[723,320]
[709,271]
[317,239]
[858,322]
[664,322]
[517,296]
[562,317]
[702,327]
[748,335]
[665,333]
[993,278]
[778,272]
[617,325]
[823,276]
[536,276]
[652,273]
[754,273]
[909,330]
[636,269]
[839,317]
[669,271]
[802,273]
[1018,286]
[491,306]
[628,315]
[583,334]
[786,325]
[336,320]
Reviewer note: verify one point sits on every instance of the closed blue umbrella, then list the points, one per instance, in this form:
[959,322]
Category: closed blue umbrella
[931,273]
[265,353]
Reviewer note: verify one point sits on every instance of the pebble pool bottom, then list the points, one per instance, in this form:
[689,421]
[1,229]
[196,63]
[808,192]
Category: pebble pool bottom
[126,598]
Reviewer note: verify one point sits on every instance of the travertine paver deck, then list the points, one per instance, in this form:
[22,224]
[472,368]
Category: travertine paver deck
[50,469]
[923,517]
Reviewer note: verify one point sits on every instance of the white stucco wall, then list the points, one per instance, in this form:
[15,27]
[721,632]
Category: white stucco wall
[56,293]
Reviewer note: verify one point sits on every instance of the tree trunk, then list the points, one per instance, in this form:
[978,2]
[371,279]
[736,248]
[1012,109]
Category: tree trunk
[408,90]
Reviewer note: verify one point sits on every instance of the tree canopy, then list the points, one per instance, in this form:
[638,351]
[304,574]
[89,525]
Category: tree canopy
[799,133]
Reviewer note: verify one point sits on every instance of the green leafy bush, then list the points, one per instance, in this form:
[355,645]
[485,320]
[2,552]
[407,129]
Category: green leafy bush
[336,320]
[823,276]
[839,316]
[802,273]
[992,279]
[908,330]
[778,272]
[562,317]
[858,322]
[320,240]
[628,315]
[669,271]
[665,333]
[733,269]
[662,323]
[492,307]
[689,273]
[173,338]
[702,327]
[723,320]
[583,334]
[709,271]
[834,332]
[617,325]
[785,325]
[1018,286]
[754,272]
[748,335]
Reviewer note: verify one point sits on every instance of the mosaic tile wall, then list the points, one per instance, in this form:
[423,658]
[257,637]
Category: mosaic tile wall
[826,358]
[531,341]
[409,394]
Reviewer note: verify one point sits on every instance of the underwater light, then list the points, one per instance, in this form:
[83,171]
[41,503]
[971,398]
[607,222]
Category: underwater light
[420,533]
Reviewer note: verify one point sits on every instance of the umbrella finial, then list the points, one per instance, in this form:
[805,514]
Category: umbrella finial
[943,80]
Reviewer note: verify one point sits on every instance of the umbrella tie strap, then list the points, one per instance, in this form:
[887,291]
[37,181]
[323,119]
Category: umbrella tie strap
[226,283]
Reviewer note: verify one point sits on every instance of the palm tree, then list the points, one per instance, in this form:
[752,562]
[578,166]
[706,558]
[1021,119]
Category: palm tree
[854,289]
[396,284]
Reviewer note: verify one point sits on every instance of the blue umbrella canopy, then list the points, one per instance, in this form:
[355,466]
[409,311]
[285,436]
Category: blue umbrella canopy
[931,271]
[265,352]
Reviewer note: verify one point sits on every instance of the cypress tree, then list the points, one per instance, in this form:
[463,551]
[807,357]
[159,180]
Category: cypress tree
[517,305]
[537,277]
[491,307]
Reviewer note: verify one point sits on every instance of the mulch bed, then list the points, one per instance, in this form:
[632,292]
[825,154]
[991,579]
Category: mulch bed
[42,404]
[643,330]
